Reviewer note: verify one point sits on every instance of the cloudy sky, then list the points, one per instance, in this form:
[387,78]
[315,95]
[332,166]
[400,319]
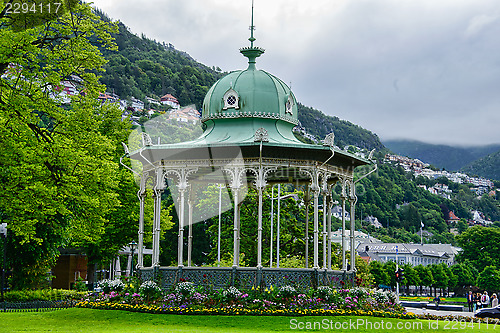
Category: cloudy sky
[417,69]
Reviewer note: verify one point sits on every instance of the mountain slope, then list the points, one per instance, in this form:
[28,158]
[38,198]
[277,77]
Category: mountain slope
[142,67]
[488,166]
[346,133]
[442,156]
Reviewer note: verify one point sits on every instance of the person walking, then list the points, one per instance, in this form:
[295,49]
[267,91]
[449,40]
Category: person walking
[494,300]
[485,300]
[470,301]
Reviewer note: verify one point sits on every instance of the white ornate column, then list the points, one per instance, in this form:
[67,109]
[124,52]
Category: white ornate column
[261,135]
[325,219]
[316,228]
[324,190]
[182,175]
[307,201]
[235,185]
[330,205]
[190,224]
[313,173]
[352,200]
[343,197]
[141,194]
[157,192]
[180,236]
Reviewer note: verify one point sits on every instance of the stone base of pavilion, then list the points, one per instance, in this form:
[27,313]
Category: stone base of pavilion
[246,278]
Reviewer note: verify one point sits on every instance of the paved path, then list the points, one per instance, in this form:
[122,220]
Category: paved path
[439,312]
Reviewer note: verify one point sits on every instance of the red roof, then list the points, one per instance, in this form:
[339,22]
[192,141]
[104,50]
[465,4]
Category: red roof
[169,97]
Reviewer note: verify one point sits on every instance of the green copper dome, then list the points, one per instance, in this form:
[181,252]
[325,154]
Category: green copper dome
[250,93]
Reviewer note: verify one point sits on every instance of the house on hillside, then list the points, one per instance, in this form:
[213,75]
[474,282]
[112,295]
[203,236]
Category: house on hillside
[451,218]
[337,213]
[152,101]
[186,115]
[168,99]
[373,221]
[136,104]
[108,98]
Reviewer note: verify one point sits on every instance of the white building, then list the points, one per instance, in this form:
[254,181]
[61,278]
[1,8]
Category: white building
[170,100]
[413,254]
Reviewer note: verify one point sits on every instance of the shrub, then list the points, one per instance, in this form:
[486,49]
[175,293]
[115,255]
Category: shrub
[324,292]
[231,293]
[287,292]
[108,286]
[150,290]
[184,288]
[43,295]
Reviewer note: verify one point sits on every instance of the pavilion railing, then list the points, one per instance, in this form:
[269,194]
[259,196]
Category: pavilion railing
[35,306]
[247,277]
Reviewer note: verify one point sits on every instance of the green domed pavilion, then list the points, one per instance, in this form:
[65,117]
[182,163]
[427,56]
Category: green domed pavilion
[248,140]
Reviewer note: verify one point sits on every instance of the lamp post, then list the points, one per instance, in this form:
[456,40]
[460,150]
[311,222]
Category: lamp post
[132,246]
[3,231]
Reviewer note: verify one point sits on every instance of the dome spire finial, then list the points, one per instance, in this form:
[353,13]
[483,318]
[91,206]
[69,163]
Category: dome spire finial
[252,52]
[252,28]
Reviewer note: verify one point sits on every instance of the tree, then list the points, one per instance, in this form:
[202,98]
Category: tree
[452,278]
[441,279]
[489,279]
[480,245]
[379,274]
[57,161]
[464,277]
[462,226]
[425,276]
[411,277]
[390,269]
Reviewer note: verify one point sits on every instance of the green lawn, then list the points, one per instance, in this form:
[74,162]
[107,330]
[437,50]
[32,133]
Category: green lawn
[110,321]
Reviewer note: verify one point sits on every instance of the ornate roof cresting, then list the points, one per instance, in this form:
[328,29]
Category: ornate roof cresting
[261,135]
[329,140]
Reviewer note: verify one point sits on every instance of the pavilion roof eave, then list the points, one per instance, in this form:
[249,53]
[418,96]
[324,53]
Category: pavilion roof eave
[290,151]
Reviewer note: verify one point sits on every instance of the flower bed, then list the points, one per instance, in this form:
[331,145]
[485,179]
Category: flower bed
[186,298]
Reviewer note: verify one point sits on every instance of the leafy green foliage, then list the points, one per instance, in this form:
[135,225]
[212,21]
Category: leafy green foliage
[58,162]
[142,67]
[488,166]
[43,295]
[489,278]
[480,246]
[380,275]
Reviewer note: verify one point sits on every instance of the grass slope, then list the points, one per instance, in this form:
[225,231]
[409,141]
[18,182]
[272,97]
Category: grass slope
[90,321]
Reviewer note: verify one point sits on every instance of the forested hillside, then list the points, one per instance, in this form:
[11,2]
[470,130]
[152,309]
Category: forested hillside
[441,156]
[346,133]
[143,67]
[488,166]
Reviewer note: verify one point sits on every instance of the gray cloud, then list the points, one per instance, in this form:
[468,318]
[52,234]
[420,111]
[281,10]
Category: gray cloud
[425,70]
